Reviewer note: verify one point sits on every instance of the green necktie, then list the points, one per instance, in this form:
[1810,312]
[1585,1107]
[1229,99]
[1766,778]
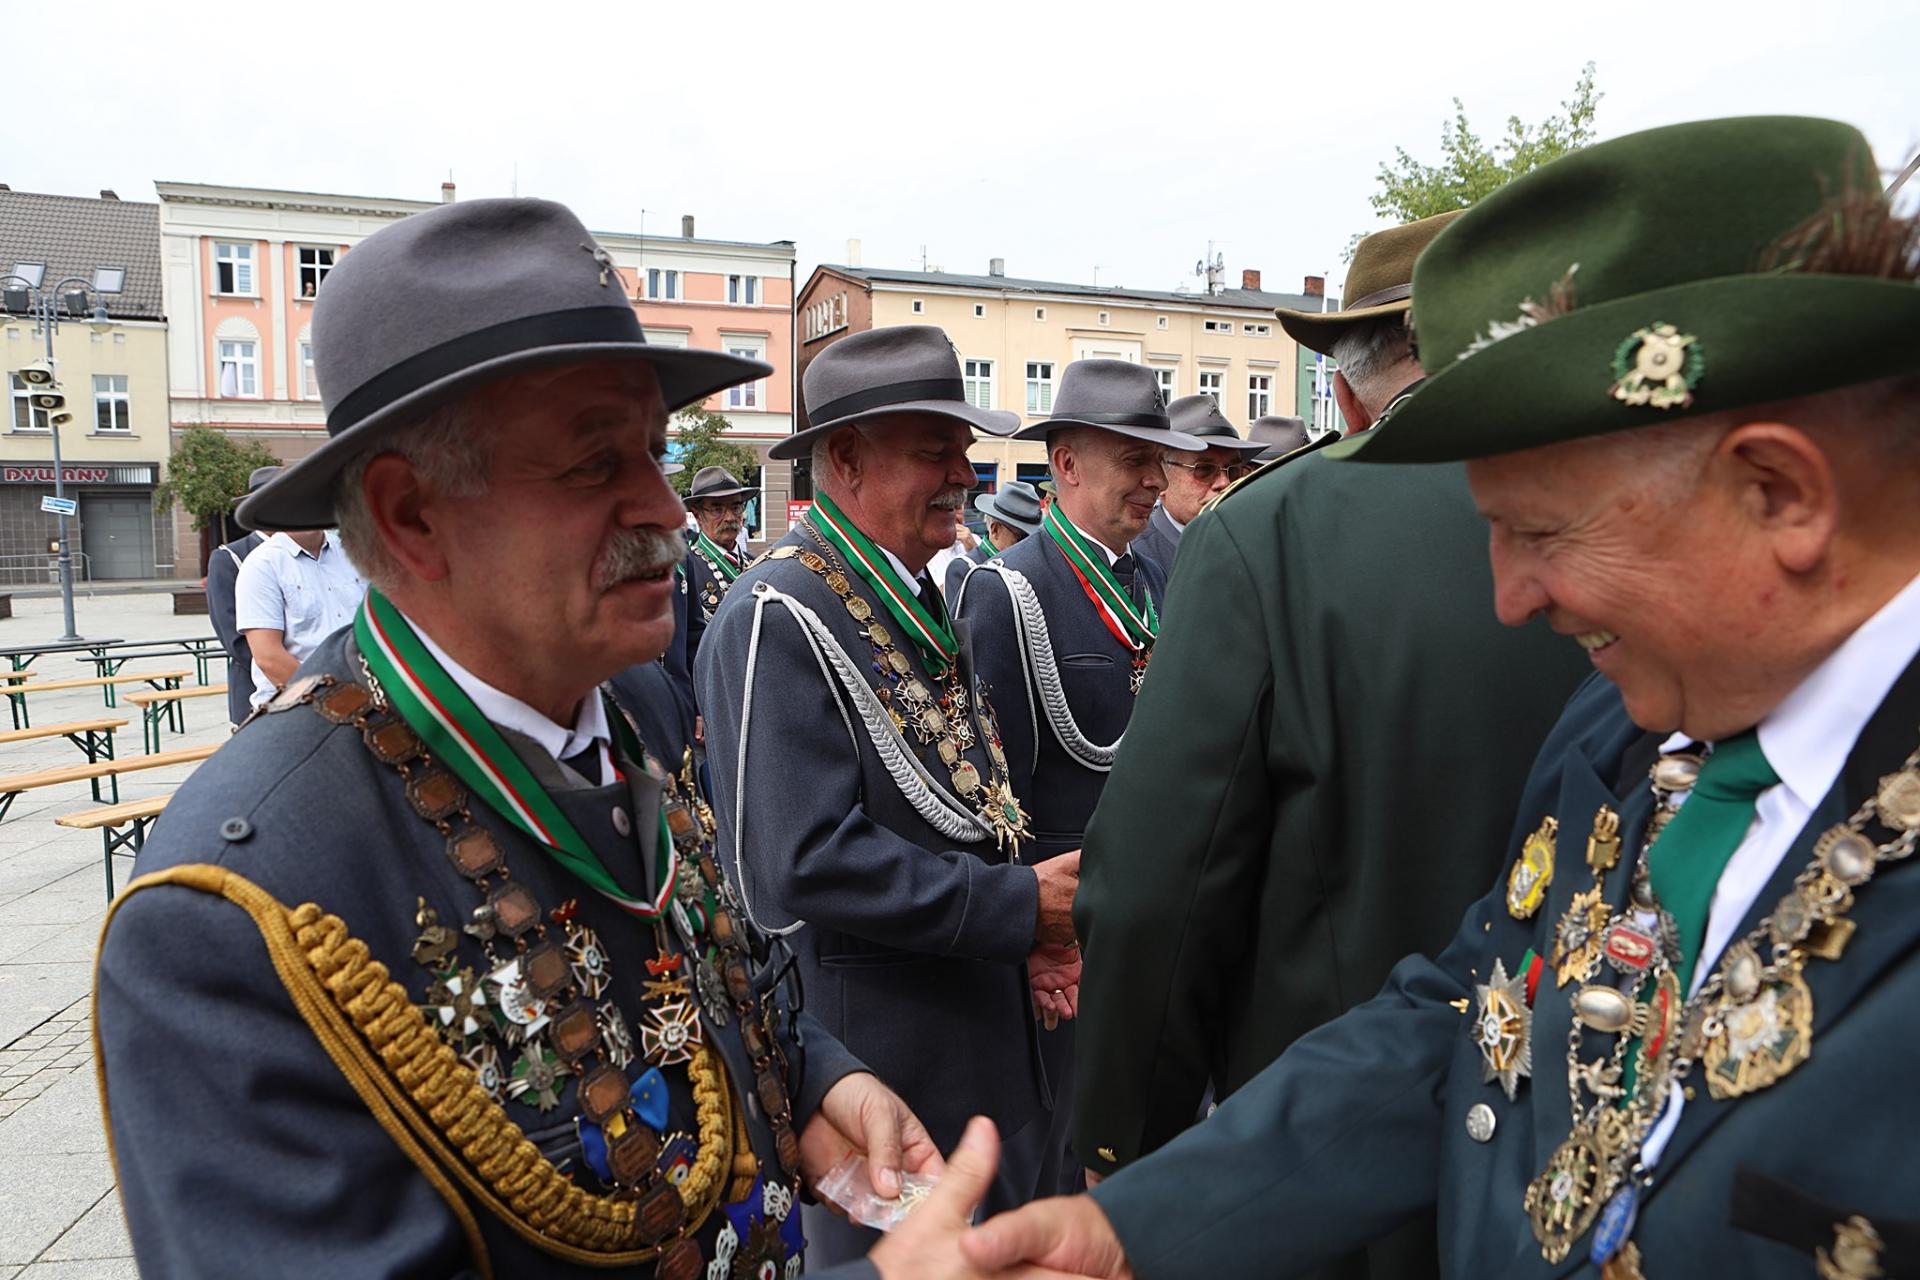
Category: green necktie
[1685,863]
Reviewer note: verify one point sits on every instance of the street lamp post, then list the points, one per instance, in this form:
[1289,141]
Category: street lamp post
[43,304]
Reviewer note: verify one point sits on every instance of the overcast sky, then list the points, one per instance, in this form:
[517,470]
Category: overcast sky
[1061,137]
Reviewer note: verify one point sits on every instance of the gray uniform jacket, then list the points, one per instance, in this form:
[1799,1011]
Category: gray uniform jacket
[1096,673]
[957,570]
[1161,542]
[913,951]
[1362,1123]
[241,1147]
[223,568]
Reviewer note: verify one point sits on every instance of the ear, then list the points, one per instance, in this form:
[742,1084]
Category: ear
[1355,413]
[402,514]
[1784,485]
[1061,461]
[843,447]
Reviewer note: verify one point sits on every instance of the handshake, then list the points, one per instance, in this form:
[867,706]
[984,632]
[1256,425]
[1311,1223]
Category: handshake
[1053,966]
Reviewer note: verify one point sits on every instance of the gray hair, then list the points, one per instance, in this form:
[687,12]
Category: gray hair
[450,449]
[1368,352]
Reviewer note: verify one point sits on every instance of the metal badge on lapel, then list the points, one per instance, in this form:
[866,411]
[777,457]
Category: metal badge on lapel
[1504,1029]
[1532,871]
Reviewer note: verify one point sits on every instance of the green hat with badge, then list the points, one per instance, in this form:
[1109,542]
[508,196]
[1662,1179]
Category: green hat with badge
[1684,270]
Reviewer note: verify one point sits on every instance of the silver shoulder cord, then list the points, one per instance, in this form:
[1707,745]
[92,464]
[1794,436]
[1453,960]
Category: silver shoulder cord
[1030,626]
[938,807]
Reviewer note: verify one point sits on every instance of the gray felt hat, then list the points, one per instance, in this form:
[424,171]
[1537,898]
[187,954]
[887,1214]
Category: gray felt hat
[715,482]
[1277,435]
[1017,504]
[1200,416]
[904,368]
[260,475]
[441,302]
[1114,395]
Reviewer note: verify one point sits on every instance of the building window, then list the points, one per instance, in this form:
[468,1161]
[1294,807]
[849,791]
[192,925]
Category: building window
[314,265]
[1210,384]
[747,394]
[309,385]
[1103,317]
[1160,322]
[1259,395]
[1039,313]
[233,268]
[239,370]
[1166,377]
[111,408]
[1257,330]
[743,290]
[1039,388]
[663,285]
[979,310]
[1217,326]
[919,306]
[979,383]
[25,416]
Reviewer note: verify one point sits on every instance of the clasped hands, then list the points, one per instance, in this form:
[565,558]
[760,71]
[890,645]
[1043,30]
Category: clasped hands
[1053,966]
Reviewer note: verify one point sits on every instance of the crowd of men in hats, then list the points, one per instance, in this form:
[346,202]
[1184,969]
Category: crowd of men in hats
[1488,854]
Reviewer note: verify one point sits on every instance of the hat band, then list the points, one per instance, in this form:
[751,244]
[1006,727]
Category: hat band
[1380,297]
[886,394]
[510,337]
[1155,421]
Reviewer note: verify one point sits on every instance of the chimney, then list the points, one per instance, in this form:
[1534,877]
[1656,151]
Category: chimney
[108,193]
[1316,287]
[997,267]
[5,187]
[446,192]
[1250,279]
[853,253]
[686,226]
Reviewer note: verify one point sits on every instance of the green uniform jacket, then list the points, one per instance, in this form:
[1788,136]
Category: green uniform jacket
[1319,777]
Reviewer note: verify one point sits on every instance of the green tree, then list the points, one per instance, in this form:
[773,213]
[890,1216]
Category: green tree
[207,474]
[1469,168]
[703,443]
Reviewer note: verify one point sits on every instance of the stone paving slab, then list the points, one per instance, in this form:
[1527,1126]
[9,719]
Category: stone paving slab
[44,1195]
[101,1234]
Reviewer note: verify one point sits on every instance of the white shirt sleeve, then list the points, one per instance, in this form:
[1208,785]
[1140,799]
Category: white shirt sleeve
[257,598]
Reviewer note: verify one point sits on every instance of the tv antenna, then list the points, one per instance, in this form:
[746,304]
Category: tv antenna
[1213,268]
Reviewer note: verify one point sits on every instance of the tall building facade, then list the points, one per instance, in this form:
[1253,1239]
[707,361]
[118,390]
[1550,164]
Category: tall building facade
[1015,338]
[112,370]
[244,266]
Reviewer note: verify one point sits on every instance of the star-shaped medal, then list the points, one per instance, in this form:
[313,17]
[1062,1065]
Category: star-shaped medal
[1503,1029]
[671,1033]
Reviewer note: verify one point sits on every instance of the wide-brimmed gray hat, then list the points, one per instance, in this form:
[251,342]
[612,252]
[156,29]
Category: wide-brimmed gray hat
[714,482]
[1114,395]
[260,476]
[1200,416]
[1017,504]
[905,368]
[1277,435]
[438,303]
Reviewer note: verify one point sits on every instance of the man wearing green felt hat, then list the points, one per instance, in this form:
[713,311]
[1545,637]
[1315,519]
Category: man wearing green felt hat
[1673,1039]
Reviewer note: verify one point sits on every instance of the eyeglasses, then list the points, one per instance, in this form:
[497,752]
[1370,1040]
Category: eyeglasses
[1208,472]
[713,508]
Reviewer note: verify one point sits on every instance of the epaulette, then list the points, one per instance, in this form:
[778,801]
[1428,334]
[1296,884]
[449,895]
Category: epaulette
[1267,468]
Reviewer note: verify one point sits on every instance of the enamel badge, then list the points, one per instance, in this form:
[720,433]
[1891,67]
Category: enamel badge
[1504,1029]
[1657,366]
[1532,871]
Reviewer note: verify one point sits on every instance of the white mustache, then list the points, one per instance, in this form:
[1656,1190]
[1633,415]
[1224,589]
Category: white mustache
[952,500]
[638,553]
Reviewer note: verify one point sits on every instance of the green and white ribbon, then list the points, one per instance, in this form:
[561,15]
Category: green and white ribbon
[932,636]
[1133,627]
[722,561]
[435,706]
[987,542]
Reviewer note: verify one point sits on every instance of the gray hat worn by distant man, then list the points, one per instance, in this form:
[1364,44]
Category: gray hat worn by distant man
[1200,416]
[1113,395]
[906,368]
[427,309]
[1278,435]
[1016,505]
[714,482]
[260,476]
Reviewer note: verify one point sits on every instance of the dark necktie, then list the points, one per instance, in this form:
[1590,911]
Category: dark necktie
[1123,574]
[931,600]
[586,763]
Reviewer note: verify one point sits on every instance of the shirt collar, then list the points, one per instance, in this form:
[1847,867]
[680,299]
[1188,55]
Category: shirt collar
[589,723]
[1177,526]
[900,567]
[1111,555]
[328,541]
[1808,736]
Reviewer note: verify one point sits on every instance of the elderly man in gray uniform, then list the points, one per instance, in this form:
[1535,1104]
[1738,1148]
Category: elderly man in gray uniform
[1193,478]
[1063,626]
[858,767]
[718,501]
[434,971]
[223,568]
[1012,513]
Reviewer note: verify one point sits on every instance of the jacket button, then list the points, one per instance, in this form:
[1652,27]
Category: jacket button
[622,823]
[235,829]
[1481,1122]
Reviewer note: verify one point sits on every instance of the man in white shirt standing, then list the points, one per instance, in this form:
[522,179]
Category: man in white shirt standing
[293,592]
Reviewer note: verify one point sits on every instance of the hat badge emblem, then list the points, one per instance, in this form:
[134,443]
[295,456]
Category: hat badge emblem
[605,261]
[1657,366]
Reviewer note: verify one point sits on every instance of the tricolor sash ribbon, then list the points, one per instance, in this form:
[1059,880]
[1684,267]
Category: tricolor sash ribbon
[439,710]
[987,542]
[722,561]
[932,636]
[1133,627]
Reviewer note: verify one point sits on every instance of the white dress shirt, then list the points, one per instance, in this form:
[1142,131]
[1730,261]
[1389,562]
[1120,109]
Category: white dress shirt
[508,712]
[1806,739]
[305,597]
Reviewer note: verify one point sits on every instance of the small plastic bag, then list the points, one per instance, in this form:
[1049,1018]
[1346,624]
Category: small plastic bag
[847,1185]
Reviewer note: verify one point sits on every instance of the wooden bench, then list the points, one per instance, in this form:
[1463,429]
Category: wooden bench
[23,654]
[109,658]
[164,703]
[94,737]
[93,773]
[135,815]
[17,694]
